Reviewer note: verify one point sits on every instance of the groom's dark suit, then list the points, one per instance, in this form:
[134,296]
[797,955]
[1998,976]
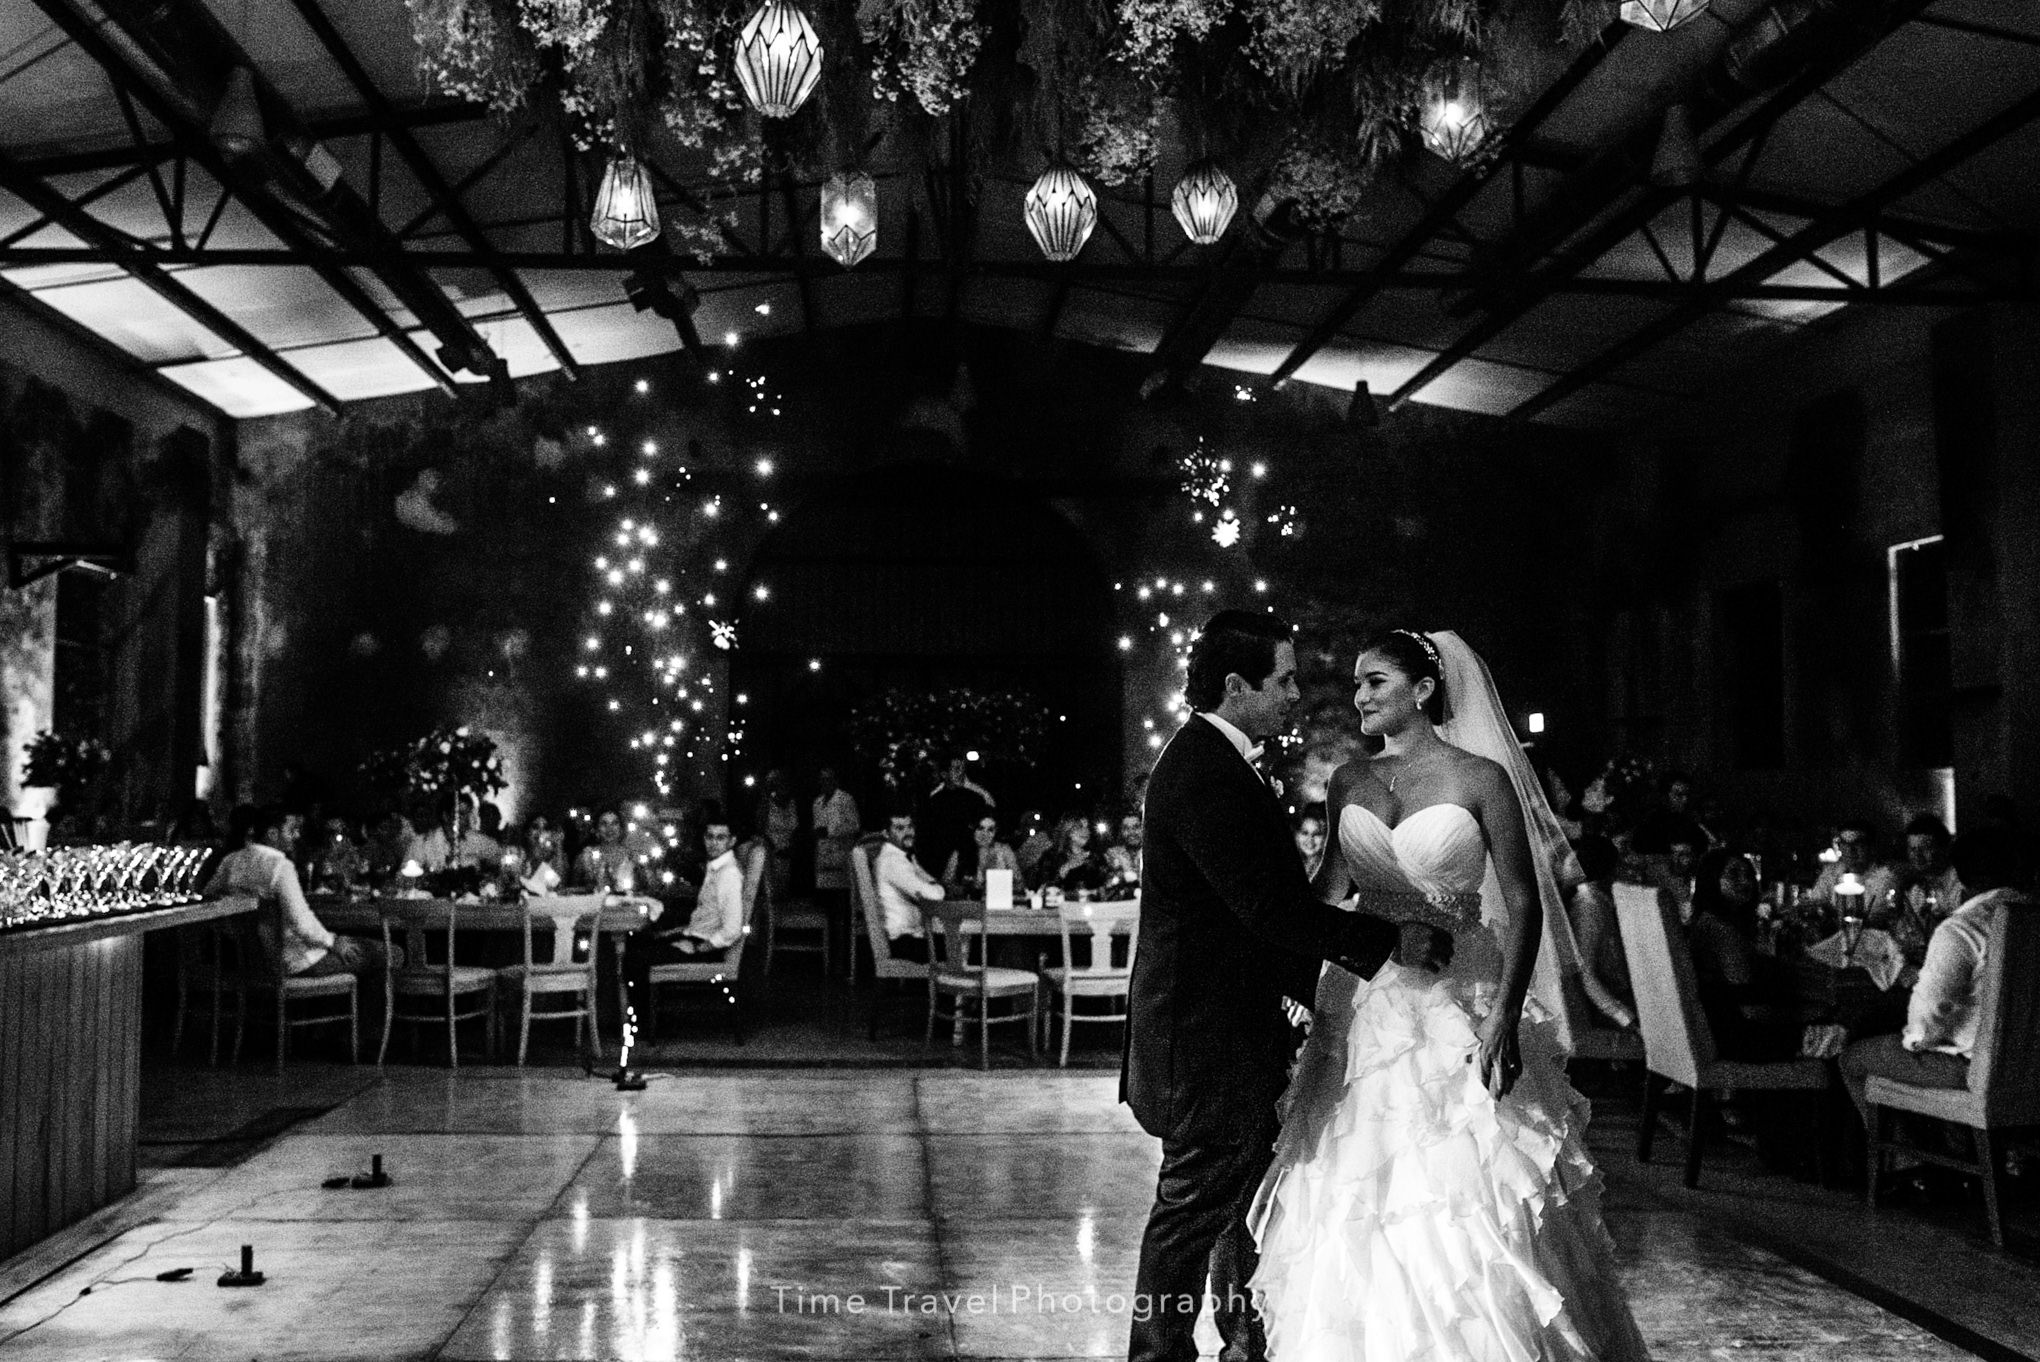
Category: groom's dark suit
[1228,928]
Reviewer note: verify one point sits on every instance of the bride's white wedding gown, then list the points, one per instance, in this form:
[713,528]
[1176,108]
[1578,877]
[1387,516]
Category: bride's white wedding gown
[1408,1215]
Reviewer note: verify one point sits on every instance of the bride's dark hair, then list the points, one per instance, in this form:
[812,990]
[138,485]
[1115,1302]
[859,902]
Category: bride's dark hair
[1416,657]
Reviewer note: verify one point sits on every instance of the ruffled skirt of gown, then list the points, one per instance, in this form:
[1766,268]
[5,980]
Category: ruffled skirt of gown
[1409,1216]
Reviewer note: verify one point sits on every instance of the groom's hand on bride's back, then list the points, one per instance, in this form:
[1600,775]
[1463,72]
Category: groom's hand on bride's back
[1424,947]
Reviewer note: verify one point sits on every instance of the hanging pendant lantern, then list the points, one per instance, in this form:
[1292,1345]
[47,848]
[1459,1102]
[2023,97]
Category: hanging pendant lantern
[1455,111]
[1061,210]
[1661,16]
[626,212]
[237,127]
[1204,202]
[779,59]
[849,217]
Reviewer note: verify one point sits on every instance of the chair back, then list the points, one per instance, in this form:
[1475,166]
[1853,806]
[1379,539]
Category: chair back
[1676,1041]
[566,913]
[1101,922]
[864,884]
[2004,1069]
[421,921]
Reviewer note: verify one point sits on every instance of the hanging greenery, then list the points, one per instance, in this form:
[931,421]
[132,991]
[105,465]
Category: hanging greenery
[923,49]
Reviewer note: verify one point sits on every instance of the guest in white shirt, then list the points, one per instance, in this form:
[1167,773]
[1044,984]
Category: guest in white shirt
[289,930]
[1941,1019]
[1856,843]
[902,885]
[718,919]
[1123,859]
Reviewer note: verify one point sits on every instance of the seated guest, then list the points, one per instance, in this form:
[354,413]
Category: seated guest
[336,863]
[1123,858]
[718,919]
[1070,865]
[387,843]
[1927,872]
[1310,832]
[545,864]
[1941,1021]
[1721,937]
[967,866]
[1677,872]
[1673,820]
[431,848]
[482,845]
[1857,844]
[289,931]
[606,863]
[901,884]
[1034,843]
[1604,967]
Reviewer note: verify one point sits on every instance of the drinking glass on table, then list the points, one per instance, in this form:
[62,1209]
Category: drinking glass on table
[1852,935]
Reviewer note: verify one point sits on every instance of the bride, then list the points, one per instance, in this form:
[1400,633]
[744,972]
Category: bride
[1431,1195]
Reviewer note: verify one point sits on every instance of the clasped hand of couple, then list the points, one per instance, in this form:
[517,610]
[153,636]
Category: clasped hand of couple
[1429,949]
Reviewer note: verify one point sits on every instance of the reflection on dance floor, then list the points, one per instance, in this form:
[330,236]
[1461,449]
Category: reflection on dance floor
[750,1214]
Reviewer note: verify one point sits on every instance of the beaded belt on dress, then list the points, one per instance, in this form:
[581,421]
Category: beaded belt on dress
[1448,912]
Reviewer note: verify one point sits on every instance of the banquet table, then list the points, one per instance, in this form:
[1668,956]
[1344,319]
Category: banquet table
[1032,921]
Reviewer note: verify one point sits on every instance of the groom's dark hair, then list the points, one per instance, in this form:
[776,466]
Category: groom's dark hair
[1232,641]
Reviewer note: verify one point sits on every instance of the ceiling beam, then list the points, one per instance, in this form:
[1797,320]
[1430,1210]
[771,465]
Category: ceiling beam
[1073,274]
[1854,216]
[277,217]
[1447,206]
[434,115]
[146,270]
[434,183]
[1508,288]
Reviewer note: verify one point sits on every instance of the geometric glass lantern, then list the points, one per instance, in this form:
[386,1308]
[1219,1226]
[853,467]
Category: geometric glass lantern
[626,213]
[1454,113]
[1204,202]
[1061,210]
[849,217]
[1661,16]
[779,59]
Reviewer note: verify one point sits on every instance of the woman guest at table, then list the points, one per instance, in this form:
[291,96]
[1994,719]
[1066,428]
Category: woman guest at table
[1746,1023]
[289,930]
[606,863]
[1309,832]
[1940,1026]
[1071,865]
[336,862]
[1604,973]
[968,864]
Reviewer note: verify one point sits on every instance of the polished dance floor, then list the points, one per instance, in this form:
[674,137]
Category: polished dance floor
[741,1214]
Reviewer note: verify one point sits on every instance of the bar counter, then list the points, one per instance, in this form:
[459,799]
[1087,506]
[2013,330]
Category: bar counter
[70,1064]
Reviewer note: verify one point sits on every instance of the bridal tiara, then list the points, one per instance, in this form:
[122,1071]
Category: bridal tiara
[1424,642]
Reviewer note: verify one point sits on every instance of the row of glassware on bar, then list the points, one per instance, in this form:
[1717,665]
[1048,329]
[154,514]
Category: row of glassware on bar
[65,884]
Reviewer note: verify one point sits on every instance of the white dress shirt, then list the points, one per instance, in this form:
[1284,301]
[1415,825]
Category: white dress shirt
[1248,749]
[719,911]
[1942,1014]
[900,883]
[265,874]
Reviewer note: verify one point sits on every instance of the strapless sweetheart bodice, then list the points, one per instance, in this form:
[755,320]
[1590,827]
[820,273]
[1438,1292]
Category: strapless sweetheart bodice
[1436,858]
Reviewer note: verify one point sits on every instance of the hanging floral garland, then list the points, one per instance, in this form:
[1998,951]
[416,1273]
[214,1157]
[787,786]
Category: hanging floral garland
[924,50]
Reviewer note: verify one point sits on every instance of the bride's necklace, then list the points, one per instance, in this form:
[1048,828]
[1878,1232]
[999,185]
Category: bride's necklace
[1403,765]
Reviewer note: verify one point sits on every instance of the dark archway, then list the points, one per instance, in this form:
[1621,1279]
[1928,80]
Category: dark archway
[919,578]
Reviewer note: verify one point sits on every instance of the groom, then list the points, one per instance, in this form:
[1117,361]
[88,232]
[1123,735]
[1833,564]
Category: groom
[1229,928]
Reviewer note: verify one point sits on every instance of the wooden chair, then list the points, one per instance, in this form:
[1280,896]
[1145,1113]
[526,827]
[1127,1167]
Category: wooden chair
[723,971]
[247,966]
[559,973]
[886,970]
[950,928]
[864,904]
[1678,1046]
[445,980]
[797,915]
[2004,1074]
[1099,979]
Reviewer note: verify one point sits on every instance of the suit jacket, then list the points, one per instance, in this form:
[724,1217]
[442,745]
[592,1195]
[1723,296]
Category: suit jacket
[1228,928]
